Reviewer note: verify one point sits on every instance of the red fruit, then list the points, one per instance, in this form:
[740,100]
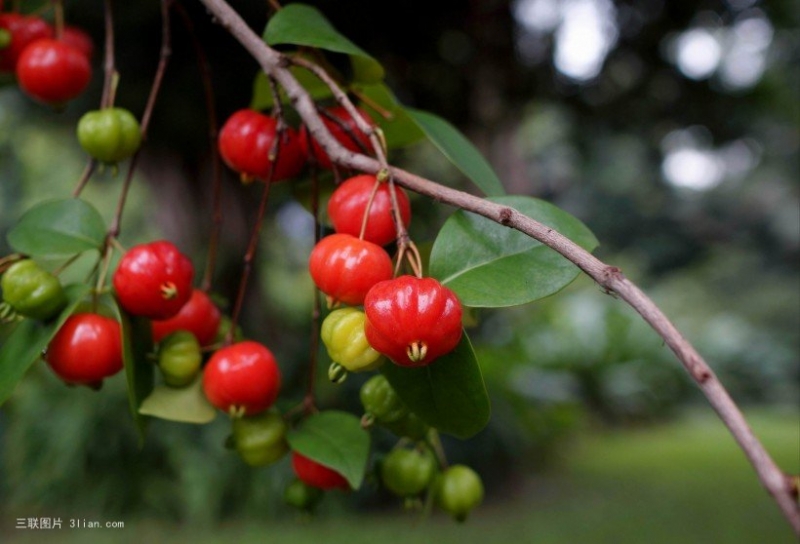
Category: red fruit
[345,268]
[349,202]
[316,475]
[23,30]
[52,71]
[79,39]
[242,379]
[200,316]
[246,140]
[86,349]
[411,320]
[344,130]
[153,280]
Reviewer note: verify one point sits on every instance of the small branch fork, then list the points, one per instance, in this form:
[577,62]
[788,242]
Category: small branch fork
[778,484]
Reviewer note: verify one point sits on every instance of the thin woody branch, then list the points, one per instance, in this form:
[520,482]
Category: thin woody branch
[610,278]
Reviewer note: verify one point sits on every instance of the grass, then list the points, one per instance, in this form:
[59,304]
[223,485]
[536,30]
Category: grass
[682,483]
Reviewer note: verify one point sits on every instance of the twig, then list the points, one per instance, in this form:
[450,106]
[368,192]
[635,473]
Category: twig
[216,166]
[609,277]
[341,98]
[249,255]
[166,51]
[88,170]
[109,69]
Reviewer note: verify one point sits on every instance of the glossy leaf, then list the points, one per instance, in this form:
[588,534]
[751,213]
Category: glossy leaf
[25,343]
[139,371]
[262,94]
[399,129]
[301,24]
[58,228]
[489,265]
[448,394]
[184,404]
[334,439]
[458,150]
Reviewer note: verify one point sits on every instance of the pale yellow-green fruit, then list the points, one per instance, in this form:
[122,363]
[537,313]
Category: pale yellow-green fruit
[343,335]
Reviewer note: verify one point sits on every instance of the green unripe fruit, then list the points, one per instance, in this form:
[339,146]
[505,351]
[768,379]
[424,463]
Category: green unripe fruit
[381,401]
[109,135]
[342,333]
[32,291]
[261,439]
[408,472]
[179,358]
[458,490]
[302,496]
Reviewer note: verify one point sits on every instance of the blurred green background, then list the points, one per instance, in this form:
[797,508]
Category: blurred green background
[670,128]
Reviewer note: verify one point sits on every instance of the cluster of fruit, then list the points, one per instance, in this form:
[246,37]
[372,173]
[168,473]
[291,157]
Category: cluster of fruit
[374,312]
[410,472]
[152,281]
[53,66]
[258,146]
[411,320]
[50,66]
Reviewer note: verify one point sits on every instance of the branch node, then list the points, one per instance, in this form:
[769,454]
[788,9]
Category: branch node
[793,483]
[703,376]
[505,216]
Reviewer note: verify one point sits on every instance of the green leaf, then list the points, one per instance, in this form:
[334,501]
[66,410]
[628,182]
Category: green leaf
[137,341]
[334,439]
[262,94]
[185,404]
[301,24]
[458,150]
[489,265]
[448,394]
[58,228]
[24,345]
[399,130]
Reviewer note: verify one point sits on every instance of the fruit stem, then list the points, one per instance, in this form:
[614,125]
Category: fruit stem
[109,86]
[166,51]
[308,401]
[88,170]
[8,260]
[213,132]
[58,16]
[380,110]
[68,262]
[105,265]
[163,58]
[248,259]
[341,97]
[408,251]
[365,219]
[435,442]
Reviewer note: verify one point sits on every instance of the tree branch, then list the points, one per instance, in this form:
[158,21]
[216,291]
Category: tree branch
[609,277]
